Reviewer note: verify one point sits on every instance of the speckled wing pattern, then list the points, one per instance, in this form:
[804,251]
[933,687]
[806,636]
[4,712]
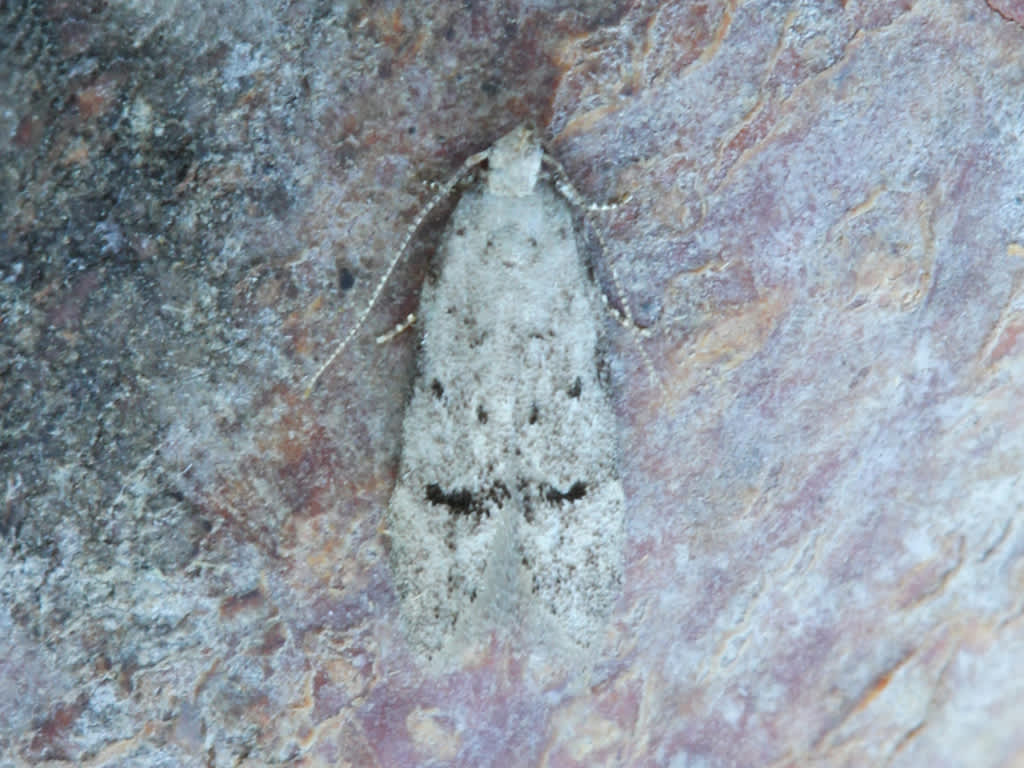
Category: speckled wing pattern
[508,510]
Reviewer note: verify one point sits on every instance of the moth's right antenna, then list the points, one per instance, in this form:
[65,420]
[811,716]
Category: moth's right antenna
[624,316]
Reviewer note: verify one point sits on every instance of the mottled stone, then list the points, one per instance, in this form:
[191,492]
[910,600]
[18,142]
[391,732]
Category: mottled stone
[822,231]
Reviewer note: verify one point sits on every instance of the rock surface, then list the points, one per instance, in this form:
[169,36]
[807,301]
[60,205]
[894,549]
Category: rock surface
[824,232]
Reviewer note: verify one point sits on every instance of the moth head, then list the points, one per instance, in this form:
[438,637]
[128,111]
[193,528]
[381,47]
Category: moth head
[513,162]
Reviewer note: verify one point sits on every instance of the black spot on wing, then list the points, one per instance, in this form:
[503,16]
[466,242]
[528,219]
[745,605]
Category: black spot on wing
[575,492]
[459,501]
[462,501]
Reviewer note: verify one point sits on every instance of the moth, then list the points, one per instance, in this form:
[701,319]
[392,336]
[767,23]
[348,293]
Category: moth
[507,514]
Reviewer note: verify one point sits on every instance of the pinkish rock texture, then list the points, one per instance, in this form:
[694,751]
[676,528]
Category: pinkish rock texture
[824,233]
